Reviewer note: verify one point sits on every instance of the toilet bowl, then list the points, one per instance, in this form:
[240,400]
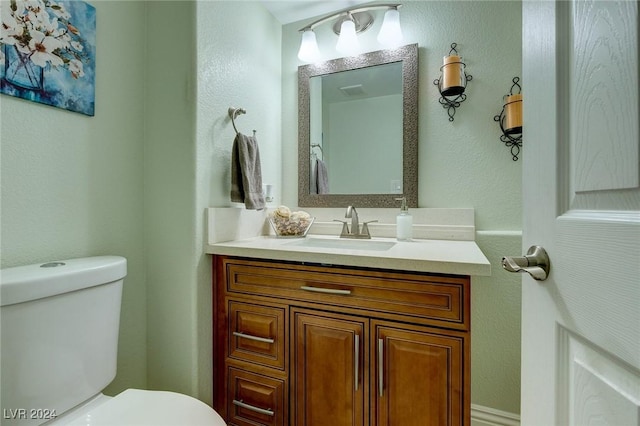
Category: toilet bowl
[58,351]
[135,407]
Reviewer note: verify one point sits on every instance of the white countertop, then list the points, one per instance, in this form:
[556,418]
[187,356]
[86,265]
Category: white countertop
[422,255]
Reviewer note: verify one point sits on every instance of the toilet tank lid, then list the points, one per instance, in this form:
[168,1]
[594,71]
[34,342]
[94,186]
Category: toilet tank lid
[31,282]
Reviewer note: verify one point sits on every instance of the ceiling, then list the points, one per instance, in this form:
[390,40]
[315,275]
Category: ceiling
[297,10]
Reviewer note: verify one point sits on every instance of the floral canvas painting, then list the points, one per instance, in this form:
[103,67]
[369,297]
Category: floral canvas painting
[47,52]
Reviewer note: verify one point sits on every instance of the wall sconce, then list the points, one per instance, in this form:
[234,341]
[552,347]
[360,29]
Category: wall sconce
[510,120]
[453,82]
[347,25]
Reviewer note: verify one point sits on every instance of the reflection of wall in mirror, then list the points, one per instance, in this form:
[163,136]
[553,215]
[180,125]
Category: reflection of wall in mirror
[315,131]
[363,145]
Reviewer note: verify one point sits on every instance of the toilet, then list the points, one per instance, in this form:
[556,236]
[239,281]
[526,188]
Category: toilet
[59,342]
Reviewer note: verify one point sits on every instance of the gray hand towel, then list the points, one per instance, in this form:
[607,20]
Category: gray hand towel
[313,175]
[246,173]
[322,177]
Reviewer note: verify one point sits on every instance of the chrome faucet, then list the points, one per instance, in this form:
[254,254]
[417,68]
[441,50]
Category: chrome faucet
[355,231]
[352,214]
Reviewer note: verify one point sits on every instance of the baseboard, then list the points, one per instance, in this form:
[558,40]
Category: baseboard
[486,416]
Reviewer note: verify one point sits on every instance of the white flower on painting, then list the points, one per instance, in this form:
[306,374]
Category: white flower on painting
[60,11]
[76,68]
[77,46]
[42,48]
[10,26]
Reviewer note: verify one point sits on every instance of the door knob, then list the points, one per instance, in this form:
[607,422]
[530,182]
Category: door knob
[535,263]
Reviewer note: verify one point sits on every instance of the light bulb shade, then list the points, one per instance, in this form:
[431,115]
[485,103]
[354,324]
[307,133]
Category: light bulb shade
[309,51]
[348,41]
[390,34]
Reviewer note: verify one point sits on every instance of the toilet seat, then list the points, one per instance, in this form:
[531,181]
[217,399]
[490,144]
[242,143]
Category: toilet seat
[135,407]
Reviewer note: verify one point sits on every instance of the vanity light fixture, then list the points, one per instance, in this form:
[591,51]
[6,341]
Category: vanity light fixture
[390,34]
[453,82]
[309,51]
[348,40]
[348,23]
[510,119]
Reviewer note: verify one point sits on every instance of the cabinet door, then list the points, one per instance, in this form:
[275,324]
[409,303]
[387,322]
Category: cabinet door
[328,385]
[418,377]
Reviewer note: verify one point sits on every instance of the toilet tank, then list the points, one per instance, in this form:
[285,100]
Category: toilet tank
[58,335]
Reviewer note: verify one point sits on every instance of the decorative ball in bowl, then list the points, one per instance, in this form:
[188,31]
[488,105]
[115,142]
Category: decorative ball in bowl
[288,224]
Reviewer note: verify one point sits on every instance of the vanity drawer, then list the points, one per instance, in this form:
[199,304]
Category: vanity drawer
[257,333]
[255,399]
[424,298]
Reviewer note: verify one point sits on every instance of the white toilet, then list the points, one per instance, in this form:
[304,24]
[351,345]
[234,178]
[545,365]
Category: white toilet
[59,338]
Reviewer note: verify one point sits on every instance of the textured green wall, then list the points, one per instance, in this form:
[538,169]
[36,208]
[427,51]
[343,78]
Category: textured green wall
[72,185]
[169,196]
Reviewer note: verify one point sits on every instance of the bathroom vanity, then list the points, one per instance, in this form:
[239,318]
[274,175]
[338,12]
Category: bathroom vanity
[368,346]
[372,334]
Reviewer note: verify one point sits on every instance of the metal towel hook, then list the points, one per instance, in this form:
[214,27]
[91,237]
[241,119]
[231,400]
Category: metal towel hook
[233,113]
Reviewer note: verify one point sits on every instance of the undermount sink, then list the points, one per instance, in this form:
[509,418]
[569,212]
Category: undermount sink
[342,243]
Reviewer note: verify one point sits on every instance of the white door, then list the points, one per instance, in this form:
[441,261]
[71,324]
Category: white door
[581,161]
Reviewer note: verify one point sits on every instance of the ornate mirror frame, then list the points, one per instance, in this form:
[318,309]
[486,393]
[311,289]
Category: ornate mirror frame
[408,55]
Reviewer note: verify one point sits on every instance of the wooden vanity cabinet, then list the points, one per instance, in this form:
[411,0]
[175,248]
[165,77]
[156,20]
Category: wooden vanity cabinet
[313,345]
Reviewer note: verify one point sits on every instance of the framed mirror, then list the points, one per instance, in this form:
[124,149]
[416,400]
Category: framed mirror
[358,130]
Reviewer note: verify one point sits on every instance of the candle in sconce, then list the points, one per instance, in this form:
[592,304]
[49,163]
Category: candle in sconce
[452,76]
[513,114]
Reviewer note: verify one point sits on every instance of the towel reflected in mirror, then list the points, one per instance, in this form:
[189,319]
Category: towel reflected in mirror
[322,177]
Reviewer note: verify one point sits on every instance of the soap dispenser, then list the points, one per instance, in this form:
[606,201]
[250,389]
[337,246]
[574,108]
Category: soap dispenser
[404,222]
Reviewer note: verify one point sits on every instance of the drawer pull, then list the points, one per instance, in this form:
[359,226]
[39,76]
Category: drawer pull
[325,290]
[268,412]
[250,337]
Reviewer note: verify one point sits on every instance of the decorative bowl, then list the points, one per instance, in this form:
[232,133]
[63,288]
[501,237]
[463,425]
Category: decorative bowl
[290,227]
